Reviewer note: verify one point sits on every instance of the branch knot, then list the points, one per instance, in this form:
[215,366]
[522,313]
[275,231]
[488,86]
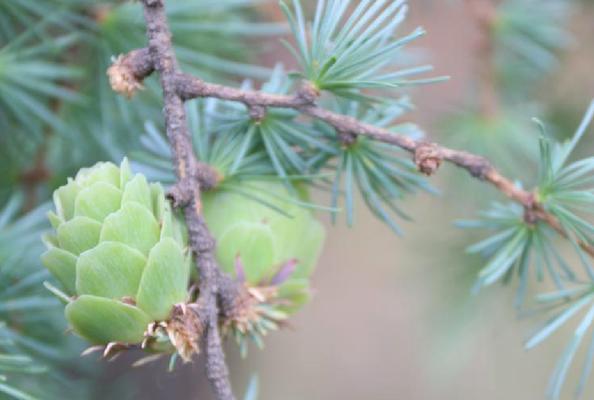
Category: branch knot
[427,158]
[346,138]
[181,193]
[480,170]
[128,71]
[257,112]
[308,93]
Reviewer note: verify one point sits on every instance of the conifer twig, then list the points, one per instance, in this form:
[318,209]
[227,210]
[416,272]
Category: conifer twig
[216,288]
[190,173]
[304,100]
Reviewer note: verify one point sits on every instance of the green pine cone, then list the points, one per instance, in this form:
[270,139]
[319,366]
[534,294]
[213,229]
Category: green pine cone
[120,254]
[271,248]
[265,239]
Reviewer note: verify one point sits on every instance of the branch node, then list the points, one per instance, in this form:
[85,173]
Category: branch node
[308,93]
[532,210]
[531,216]
[208,177]
[181,193]
[127,72]
[427,158]
[257,112]
[346,138]
[188,87]
[479,168]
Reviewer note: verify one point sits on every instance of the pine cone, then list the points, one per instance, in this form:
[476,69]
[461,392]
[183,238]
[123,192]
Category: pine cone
[121,256]
[271,246]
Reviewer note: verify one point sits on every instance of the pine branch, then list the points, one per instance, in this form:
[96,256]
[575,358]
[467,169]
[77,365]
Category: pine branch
[216,288]
[427,155]
[188,190]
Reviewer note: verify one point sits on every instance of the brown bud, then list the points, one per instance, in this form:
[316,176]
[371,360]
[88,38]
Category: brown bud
[308,93]
[347,138]
[184,330]
[257,113]
[427,158]
[122,76]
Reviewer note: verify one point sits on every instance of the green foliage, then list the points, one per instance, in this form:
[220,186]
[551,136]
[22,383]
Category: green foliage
[514,246]
[16,16]
[570,302]
[518,49]
[251,392]
[343,53]
[28,82]
[219,141]
[378,171]
[240,148]
[507,139]
[118,26]
[528,36]
[565,189]
[31,327]
[54,90]
[275,137]
[30,77]
[11,362]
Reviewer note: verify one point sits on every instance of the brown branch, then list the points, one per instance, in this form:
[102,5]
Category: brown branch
[304,100]
[191,174]
[128,71]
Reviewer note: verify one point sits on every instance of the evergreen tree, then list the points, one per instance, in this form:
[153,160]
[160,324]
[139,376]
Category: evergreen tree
[175,233]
